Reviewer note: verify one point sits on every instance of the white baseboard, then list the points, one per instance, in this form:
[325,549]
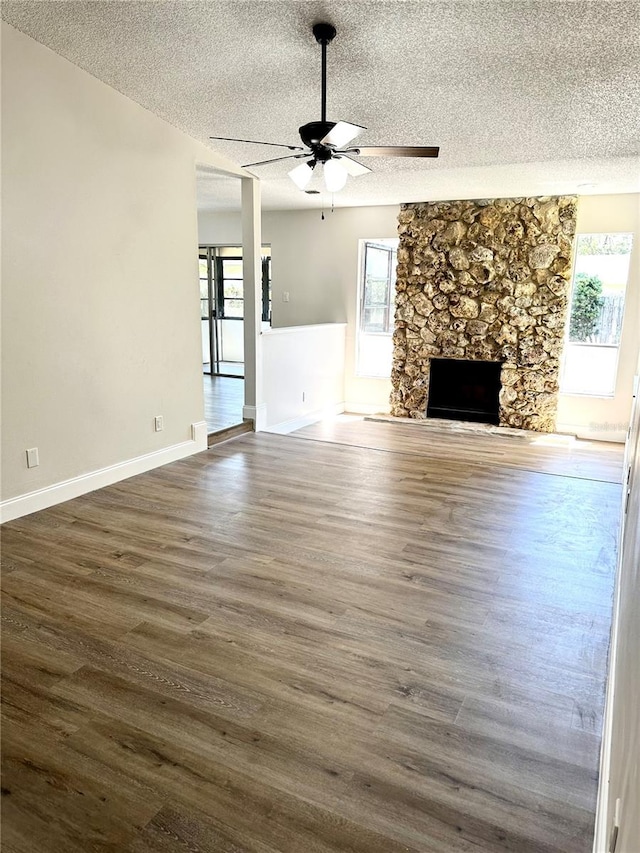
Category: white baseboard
[366,408]
[257,414]
[602,821]
[76,486]
[596,433]
[304,420]
[199,432]
[602,826]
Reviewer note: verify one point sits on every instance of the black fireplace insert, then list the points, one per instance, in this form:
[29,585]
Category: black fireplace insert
[464,390]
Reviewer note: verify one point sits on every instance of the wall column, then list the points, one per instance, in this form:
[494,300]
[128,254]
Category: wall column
[254,406]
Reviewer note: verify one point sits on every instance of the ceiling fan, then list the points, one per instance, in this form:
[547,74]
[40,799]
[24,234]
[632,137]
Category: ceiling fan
[325,141]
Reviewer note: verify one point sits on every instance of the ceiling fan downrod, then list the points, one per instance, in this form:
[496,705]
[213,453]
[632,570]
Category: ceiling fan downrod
[324,34]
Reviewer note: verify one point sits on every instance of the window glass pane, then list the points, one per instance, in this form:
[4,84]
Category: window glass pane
[236,251]
[378,288]
[232,289]
[589,369]
[377,291]
[600,279]
[228,251]
[231,268]
[376,307]
[377,263]
[596,315]
[266,288]
[233,307]
[375,355]
[375,319]
[204,286]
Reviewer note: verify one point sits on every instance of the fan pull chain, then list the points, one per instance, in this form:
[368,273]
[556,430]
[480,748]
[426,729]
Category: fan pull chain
[322,216]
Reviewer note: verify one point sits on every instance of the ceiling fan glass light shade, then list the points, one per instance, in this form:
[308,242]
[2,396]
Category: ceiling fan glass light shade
[301,175]
[335,175]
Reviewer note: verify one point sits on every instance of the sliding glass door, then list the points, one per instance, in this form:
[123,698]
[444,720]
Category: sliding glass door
[208,328]
[222,307]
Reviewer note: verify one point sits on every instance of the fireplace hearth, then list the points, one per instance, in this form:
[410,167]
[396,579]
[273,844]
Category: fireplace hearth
[464,390]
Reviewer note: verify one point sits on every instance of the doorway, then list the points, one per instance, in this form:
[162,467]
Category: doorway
[222,329]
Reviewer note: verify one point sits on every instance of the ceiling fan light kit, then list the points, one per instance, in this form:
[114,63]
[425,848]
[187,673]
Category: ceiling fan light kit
[301,175]
[335,176]
[325,141]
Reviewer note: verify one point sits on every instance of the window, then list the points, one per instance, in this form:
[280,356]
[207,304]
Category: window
[378,292]
[595,319]
[377,298]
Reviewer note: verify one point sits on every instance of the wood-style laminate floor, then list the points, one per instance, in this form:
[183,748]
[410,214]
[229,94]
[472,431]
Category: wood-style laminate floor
[223,401]
[296,646]
[551,454]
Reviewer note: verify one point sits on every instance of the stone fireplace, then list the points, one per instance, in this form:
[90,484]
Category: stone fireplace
[483,281]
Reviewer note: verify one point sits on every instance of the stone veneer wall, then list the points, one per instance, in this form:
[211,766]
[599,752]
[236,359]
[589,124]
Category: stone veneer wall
[484,280]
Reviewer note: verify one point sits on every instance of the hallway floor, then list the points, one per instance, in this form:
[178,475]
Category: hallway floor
[223,401]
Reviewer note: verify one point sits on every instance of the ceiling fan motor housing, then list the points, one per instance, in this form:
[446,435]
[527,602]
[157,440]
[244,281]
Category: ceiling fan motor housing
[313,132]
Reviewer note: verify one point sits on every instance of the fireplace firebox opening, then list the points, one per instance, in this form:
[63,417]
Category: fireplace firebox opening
[464,390]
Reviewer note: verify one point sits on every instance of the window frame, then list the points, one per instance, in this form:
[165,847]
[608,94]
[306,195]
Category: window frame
[389,305]
[578,344]
[391,245]
[220,280]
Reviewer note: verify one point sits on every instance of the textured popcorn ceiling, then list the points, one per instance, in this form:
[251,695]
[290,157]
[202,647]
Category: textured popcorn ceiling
[523,98]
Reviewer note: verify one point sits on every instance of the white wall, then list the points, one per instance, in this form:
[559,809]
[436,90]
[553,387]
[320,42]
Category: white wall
[607,418]
[303,374]
[620,760]
[317,262]
[101,328]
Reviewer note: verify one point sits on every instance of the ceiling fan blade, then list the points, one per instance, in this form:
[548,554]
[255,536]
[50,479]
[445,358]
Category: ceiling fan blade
[277,159]
[394,151]
[258,142]
[341,134]
[352,167]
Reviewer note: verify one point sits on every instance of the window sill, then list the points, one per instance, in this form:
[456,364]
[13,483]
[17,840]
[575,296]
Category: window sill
[591,394]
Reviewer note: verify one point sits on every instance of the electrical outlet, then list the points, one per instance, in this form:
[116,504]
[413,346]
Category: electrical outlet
[158,423]
[285,296]
[32,457]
